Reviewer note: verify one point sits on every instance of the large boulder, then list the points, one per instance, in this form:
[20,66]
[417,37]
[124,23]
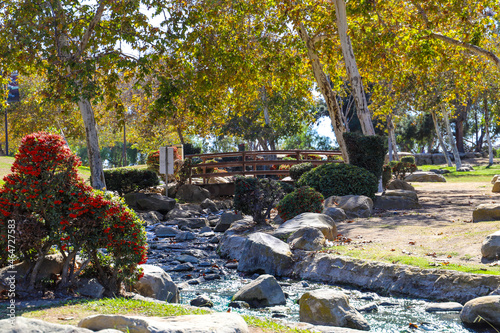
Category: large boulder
[397,199]
[322,222]
[332,308]
[307,239]
[193,222]
[226,219]
[423,159]
[202,301]
[337,214]
[215,322]
[424,176]
[150,202]
[398,184]
[486,212]
[496,187]
[151,218]
[482,311]
[192,193]
[90,288]
[494,179]
[491,246]
[444,307]
[210,205]
[166,231]
[156,283]
[353,205]
[262,292]
[29,325]
[438,158]
[264,253]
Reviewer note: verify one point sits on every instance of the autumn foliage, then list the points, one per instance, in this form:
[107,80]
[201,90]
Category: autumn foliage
[54,209]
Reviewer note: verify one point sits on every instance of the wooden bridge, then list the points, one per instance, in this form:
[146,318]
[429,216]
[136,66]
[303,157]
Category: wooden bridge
[251,163]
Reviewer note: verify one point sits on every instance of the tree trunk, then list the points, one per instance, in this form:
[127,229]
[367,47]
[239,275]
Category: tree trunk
[487,126]
[181,137]
[326,90]
[124,151]
[451,140]
[267,120]
[440,138]
[95,163]
[358,91]
[459,125]
[392,136]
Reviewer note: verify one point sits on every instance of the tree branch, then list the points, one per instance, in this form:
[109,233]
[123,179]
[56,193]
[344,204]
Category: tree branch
[90,28]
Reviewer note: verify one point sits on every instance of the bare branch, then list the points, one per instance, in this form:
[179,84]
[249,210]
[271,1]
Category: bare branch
[90,28]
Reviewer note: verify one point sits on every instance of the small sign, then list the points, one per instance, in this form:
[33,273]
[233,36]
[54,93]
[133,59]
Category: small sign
[166,160]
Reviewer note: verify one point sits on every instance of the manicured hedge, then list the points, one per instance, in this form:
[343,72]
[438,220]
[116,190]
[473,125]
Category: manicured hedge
[366,151]
[125,180]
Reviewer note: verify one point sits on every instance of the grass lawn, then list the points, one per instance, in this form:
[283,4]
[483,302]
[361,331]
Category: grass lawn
[481,173]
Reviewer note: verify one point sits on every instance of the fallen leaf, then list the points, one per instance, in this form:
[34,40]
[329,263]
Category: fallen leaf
[449,255]
[439,234]
[412,243]
[414,326]
[393,250]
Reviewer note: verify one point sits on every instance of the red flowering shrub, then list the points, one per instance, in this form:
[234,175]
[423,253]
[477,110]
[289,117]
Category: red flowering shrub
[303,199]
[54,209]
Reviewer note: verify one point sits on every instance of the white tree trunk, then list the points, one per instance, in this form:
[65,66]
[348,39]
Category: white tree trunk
[267,119]
[95,163]
[326,90]
[487,127]
[358,91]
[451,139]
[393,148]
[440,138]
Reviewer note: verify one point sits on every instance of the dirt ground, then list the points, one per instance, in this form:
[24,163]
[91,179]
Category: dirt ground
[441,231]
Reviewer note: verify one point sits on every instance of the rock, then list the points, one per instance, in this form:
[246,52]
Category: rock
[178,212]
[151,218]
[226,219]
[193,223]
[444,307]
[185,236]
[371,307]
[262,292]
[150,202]
[28,325]
[397,199]
[187,258]
[202,301]
[337,214]
[496,187]
[353,205]
[215,322]
[440,171]
[307,239]
[423,159]
[239,305]
[494,179]
[486,212]
[278,220]
[209,204]
[156,283]
[265,253]
[482,311]
[230,246]
[423,176]
[400,154]
[322,222]
[192,193]
[183,267]
[465,169]
[330,307]
[398,184]
[90,288]
[164,231]
[438,159]
[491,246]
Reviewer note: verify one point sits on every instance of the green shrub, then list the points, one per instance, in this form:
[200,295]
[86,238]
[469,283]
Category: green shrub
[125,180]
[257,196]
[340,179]
[408,159]
[386,175]
[299,169]
[303,199]
[400,168]
[366,151]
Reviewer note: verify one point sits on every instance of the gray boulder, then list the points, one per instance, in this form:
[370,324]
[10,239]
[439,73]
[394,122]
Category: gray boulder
[496,187]
[262,292]
[398,184]
[330,307]
[215,322]
[166,231]
[226,219]
[322,222]
[423,159]
[28,325]
[307,239]
[179,212]
[90,288]
[193,222]
[397,199]
[192,193]
[482,311]
[209,204]
[265,253]
[202,301]
[444,307]
[353,205]
[423,176]
[230,246]
[438,158]
[486,212]
[150,202]
[151,218]
[491,246]
[185,236]
[156,283]
[337,214]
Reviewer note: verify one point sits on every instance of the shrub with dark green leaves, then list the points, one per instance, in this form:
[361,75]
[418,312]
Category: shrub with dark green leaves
[303,199]
[400,168]
[366,151]
[299,169]
[257,196]
[408,159]
[386,175]
[125,180]
[340,179]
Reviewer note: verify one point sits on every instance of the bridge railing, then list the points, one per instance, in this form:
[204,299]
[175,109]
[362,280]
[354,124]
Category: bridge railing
[250,161]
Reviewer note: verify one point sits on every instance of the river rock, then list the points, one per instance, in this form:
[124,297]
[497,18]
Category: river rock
[337,214]
[424,176]
[496,187]
[215,322]
[322,222]
[150,202]
[156,283]
[179,212]
[230,246]
[202,301]
[397,199]
[330,307]
[264,253]
[152,217]
[491,246]
[486,212]
[262,292]
[28,325]
[353,205]
[226,219]
[185,236]
[307,239]
[187,258]
[482,311]
[193,223]
[90,288]
[444,307]
[398,184]
[165,231]
[192,193]
[210,205]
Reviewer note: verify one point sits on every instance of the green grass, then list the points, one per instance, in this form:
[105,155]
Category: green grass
[481,173]
[73,311]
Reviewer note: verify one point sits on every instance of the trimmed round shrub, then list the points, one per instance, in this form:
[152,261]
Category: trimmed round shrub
[366,151]
[408,159]
[340,179]
[303,199]
[298,170]
[125,180]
